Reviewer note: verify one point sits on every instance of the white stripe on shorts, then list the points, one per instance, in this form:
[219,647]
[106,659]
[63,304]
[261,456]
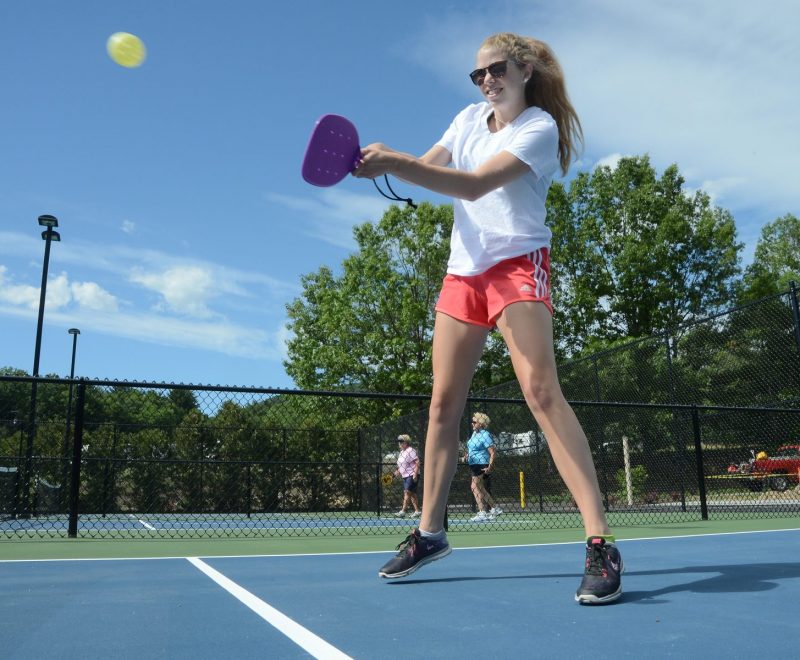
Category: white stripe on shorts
[539,274]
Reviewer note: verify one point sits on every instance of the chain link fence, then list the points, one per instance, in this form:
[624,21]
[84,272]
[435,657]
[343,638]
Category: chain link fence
[112,459]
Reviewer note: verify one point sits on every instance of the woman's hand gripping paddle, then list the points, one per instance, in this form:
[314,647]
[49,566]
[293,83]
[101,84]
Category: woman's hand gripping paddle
[333,152]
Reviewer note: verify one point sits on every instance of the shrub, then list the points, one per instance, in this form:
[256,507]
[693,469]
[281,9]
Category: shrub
[638,479]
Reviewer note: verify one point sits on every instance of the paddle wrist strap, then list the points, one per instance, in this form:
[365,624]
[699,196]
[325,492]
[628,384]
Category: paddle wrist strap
[395,197]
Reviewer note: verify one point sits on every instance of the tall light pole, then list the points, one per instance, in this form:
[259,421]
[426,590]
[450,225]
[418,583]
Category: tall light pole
[65,448]
[48,236]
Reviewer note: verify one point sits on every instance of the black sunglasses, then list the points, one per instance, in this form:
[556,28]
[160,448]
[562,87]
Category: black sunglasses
[497,69]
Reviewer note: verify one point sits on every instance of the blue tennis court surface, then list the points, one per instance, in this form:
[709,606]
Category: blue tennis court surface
[727,595]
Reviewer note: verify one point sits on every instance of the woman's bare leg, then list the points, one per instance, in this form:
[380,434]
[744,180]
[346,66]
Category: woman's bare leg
[457,347]
[527,328]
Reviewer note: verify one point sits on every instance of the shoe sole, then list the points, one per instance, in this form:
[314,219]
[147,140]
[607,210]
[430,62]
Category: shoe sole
[438,555]
[590,599]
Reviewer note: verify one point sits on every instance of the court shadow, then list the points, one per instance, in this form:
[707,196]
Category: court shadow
[729,578]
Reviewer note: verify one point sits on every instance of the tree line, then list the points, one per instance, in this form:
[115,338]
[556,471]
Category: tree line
[633,255]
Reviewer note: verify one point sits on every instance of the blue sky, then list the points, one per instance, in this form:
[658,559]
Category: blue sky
[185,223]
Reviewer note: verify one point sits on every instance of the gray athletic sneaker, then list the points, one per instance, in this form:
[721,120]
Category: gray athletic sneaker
[415,551]
[601,578]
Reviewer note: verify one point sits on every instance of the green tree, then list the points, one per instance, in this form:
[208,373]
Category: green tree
[635,254]
[15,401]
[371,327]
[183,401]
[776,261]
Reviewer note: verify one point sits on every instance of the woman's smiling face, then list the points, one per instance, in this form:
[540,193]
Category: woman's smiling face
[506,88]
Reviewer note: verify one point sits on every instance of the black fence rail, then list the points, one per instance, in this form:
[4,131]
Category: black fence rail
[153,460]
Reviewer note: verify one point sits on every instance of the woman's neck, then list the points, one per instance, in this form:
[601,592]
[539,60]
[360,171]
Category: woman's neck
[502,117]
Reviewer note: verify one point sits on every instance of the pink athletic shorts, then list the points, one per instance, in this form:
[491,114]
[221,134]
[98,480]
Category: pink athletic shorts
[480,299]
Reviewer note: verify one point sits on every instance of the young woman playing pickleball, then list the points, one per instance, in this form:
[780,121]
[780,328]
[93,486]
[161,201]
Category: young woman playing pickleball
[504,153]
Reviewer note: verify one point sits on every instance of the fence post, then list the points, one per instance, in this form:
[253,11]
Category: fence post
[107,473]
[360,469]
[200,503]
[27,475]
[284,459]
[540,444]
[698,452]
[681,451]
[17,480]
[795,312]
[249,491]
[604,466]
[378,484]
[77,451]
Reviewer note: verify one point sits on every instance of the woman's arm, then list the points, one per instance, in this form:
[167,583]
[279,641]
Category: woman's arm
[430,171]
[491,458]
[436,155]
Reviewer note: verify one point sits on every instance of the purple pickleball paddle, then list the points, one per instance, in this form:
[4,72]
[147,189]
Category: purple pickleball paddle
[332,151]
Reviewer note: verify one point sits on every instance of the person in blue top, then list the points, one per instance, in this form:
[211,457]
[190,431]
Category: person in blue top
[497,160]
[481,454]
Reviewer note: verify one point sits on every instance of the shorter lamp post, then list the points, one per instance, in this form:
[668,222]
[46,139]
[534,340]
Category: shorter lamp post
[65,447]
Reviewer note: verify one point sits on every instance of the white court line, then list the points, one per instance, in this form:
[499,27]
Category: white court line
[142,522]
[304,638]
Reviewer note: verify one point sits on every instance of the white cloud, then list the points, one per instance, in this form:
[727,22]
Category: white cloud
[90,295]
[121,261]
[218,336]
[184,289]
[711,86]
[128,226]
[611,161]
[21,245]
[221,337]
[89,305]
[22,295]
[333,212]
[716,189]
[61,293]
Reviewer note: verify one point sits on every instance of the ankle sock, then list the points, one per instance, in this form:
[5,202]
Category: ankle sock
[436,536]
[608,538]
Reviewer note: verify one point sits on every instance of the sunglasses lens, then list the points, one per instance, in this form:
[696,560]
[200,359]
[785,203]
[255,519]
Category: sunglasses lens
[497,69]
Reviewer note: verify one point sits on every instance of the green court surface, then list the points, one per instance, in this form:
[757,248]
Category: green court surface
[102,548]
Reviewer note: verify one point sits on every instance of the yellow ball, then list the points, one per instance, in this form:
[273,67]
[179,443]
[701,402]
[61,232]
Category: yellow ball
[126,49]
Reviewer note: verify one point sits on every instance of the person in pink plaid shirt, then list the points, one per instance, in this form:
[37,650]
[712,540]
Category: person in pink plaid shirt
[408,469]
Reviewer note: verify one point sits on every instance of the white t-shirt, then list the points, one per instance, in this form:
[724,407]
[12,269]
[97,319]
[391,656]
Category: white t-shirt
[508,221]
